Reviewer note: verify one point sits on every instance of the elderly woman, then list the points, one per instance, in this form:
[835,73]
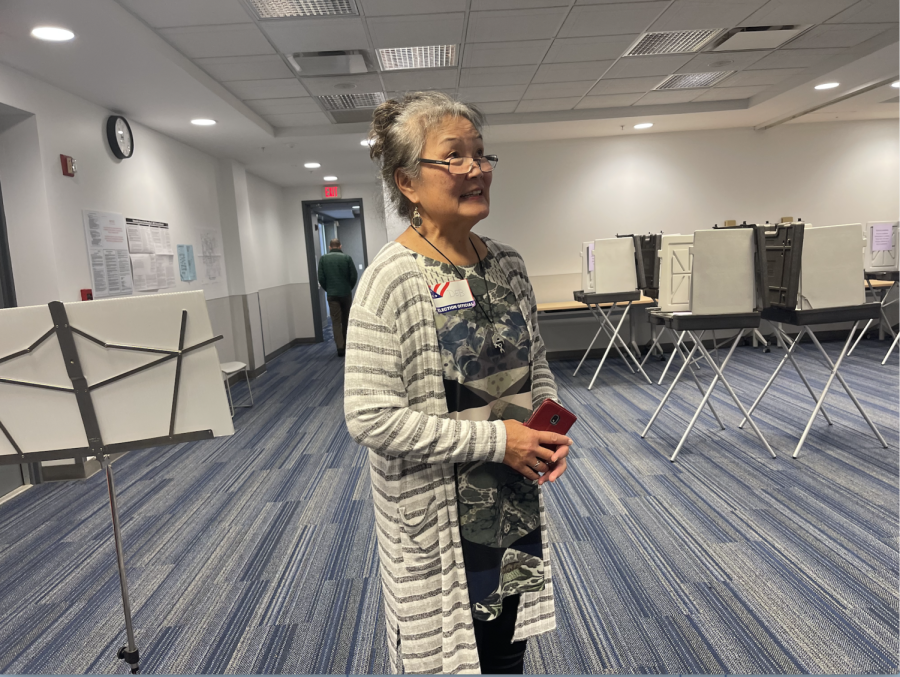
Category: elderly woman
[444,363]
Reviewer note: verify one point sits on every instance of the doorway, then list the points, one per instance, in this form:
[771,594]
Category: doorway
[324,220]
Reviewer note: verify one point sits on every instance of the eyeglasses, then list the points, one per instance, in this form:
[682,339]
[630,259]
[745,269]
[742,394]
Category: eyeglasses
[463,165]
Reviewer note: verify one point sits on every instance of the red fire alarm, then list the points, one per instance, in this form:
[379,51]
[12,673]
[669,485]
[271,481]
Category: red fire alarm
[87,295]
[332,192]
[68,165]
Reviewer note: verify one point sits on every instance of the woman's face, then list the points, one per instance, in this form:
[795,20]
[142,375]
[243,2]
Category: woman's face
[446,199]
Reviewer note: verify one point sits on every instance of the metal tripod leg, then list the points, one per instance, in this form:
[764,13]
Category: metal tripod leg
[700,388]
[720,375]
[665,398]
[859,338]
[129,652]
[788,355]
[611,344]
[628,352]
[891,349]
[655,343]
[678,340]
[836,373]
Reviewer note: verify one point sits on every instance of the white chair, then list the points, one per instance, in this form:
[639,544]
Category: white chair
[229,369]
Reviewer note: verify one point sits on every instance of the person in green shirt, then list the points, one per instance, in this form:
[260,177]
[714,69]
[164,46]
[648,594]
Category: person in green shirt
[337,276]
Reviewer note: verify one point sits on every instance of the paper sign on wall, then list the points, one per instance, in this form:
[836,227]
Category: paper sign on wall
[149,237]
[186,266]
[108,254]
[882,237]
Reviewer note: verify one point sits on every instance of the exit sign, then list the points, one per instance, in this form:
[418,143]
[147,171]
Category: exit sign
[332,191]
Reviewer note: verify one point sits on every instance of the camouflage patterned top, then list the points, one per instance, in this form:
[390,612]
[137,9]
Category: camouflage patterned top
[499,518]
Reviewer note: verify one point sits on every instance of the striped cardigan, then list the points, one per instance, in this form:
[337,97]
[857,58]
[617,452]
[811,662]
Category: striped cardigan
[395,405]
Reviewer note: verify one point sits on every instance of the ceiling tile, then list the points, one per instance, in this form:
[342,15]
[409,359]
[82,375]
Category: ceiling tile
[695,14]
[197,42]
[552,90]
[417,30]
[364,83]
[403,7]
[500,93]
[495,107]
[672,96]
[436,78]
[169,13]
[641,66]
[753,78]
[783,12]
[522,24]
[838,35]
[720,61]
[543,105]
[314,35]
[608,101]
[400,95]
[501,75]
[626,85]
[284,106]
[281,88]
[515,53]
[481,5]
[245,67]
[570,72]
[298,119]
[567,50]
[730,93]
[794,58]
[870,11]
[611,19]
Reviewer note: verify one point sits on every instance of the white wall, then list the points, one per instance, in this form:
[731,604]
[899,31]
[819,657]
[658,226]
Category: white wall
[165,180]
[548,197]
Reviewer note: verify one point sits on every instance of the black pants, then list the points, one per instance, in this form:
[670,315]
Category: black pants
[340,312]
[498,654]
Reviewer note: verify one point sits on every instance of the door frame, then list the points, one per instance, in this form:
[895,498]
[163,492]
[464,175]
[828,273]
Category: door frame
[308,206]
[7,285]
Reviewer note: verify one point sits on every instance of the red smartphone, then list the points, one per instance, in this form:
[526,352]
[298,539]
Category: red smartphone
[552,417]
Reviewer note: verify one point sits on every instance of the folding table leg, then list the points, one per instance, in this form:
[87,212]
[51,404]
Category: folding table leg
[617,336]
[655,343]
[891,349]
[859,338]
[836,373]
[249,390]
[607,327]
[671,388]
[719,375]
[700,388]
[678,340]
[611,344]
[586,352]
[788,355]
[230,402]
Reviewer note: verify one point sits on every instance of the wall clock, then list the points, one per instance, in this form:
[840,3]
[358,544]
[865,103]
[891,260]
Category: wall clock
[118,133]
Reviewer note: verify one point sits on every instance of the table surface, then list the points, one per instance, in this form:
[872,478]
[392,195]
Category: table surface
[880,284]
[577,305]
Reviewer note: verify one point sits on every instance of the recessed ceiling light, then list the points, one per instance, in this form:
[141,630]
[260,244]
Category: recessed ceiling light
[312,165]
[203,122]
[52,33]
[430,56]
[644,125]
[895,84]
[330,178]
[828,85]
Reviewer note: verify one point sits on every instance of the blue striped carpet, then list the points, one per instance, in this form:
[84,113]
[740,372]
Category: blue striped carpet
[256,553]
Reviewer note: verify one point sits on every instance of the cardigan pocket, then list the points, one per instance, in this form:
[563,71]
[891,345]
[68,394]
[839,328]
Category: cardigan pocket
[419,533]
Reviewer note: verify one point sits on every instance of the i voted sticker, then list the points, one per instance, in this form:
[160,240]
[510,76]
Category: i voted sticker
[449,296]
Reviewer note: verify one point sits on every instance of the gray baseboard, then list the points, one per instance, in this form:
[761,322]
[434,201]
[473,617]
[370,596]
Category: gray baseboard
[296,342]
[76,471]
[254,373]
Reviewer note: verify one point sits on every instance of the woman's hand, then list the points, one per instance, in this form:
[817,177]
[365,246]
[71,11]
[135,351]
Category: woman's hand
[526,454]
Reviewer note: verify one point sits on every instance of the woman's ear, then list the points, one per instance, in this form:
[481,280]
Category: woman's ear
[405,184]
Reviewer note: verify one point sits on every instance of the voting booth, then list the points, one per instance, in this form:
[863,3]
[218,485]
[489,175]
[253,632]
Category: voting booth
[95,378]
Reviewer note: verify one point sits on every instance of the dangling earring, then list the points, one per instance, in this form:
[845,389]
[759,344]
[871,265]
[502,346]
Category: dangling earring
[416,218]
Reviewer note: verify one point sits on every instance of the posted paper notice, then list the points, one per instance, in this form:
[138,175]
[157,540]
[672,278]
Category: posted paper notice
[882,237]
[107,244]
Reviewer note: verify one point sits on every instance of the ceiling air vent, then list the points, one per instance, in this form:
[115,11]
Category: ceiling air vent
[346,62]
[693,80]
[351,101]
[280,9]
[400,58]
[672,42]
[756,37]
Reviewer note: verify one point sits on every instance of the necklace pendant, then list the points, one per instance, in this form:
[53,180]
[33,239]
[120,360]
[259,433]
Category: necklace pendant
[498,344]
